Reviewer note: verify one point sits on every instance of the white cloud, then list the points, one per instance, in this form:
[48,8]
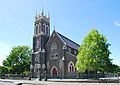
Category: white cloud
[4,51]
[117,23]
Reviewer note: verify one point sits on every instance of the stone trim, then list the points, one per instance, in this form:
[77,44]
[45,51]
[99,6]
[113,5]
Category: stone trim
[52,70]
[71,54]
[71,67]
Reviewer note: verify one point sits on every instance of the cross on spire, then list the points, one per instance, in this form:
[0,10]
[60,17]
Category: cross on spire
[54,27]
[42,13]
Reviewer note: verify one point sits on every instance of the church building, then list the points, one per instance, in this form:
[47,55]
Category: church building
[53,55]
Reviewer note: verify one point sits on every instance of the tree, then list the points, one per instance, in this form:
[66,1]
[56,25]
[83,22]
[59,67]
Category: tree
[19,59]
[4,69]
[94,54]
[116,68]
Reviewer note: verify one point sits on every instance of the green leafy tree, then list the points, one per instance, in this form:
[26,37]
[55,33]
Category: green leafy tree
[19,59]
[119,70]
[4,69]
[94,54]
[116,68]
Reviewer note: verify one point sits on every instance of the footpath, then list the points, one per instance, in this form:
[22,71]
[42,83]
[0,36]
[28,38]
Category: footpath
[55,82]
[24,82]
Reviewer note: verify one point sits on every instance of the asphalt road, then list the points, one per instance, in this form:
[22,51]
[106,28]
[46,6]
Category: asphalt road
[9,82]
[6,83]
[61,83]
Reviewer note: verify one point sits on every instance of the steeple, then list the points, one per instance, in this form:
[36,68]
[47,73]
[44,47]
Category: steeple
[48,15]
[42,24]
[40,38]
[42,12]
[53,28]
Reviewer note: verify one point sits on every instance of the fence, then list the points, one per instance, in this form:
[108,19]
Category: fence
[14,76]
[98,75]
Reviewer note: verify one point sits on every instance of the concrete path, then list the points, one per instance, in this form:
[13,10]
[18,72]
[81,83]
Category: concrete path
[52,82]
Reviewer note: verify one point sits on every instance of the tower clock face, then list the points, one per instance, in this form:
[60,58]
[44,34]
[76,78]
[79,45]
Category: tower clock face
[36,58]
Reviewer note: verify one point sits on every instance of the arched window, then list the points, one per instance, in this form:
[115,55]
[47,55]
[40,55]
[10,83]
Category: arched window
[37,44]
[54,46]
[75,52]
[36,68]
[69,50]
[36,29]
[71,67]
[43,28]
[47,30]
[40,26]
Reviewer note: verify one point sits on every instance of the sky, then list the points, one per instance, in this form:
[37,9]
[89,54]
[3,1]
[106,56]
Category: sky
[72,18]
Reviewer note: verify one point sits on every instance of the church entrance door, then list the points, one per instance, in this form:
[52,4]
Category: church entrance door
[54,72]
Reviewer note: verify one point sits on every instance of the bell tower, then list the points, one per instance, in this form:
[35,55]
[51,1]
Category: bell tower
[40,38]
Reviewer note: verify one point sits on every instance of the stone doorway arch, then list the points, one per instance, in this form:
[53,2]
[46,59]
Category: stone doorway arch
[54,72]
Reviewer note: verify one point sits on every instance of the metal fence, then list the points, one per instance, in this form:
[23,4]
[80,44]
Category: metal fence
[98,75]
[14,76]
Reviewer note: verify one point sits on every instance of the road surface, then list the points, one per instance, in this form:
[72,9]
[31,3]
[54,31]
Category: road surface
[6,83]
[27,82]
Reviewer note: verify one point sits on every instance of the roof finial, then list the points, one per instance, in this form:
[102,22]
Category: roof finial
[36,14]
[54,27]
[48,15]
[42,13]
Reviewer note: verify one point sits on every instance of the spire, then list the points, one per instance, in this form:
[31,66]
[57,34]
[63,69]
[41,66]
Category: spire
[45,14]
[54,28]
[36,15]
[48,15]
[42,13]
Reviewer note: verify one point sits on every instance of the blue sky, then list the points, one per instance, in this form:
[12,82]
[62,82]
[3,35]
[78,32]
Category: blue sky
[72,18]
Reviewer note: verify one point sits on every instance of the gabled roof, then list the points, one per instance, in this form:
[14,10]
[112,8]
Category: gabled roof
[69,42]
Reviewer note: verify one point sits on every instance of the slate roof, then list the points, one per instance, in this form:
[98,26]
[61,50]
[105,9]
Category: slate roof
[69,42]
